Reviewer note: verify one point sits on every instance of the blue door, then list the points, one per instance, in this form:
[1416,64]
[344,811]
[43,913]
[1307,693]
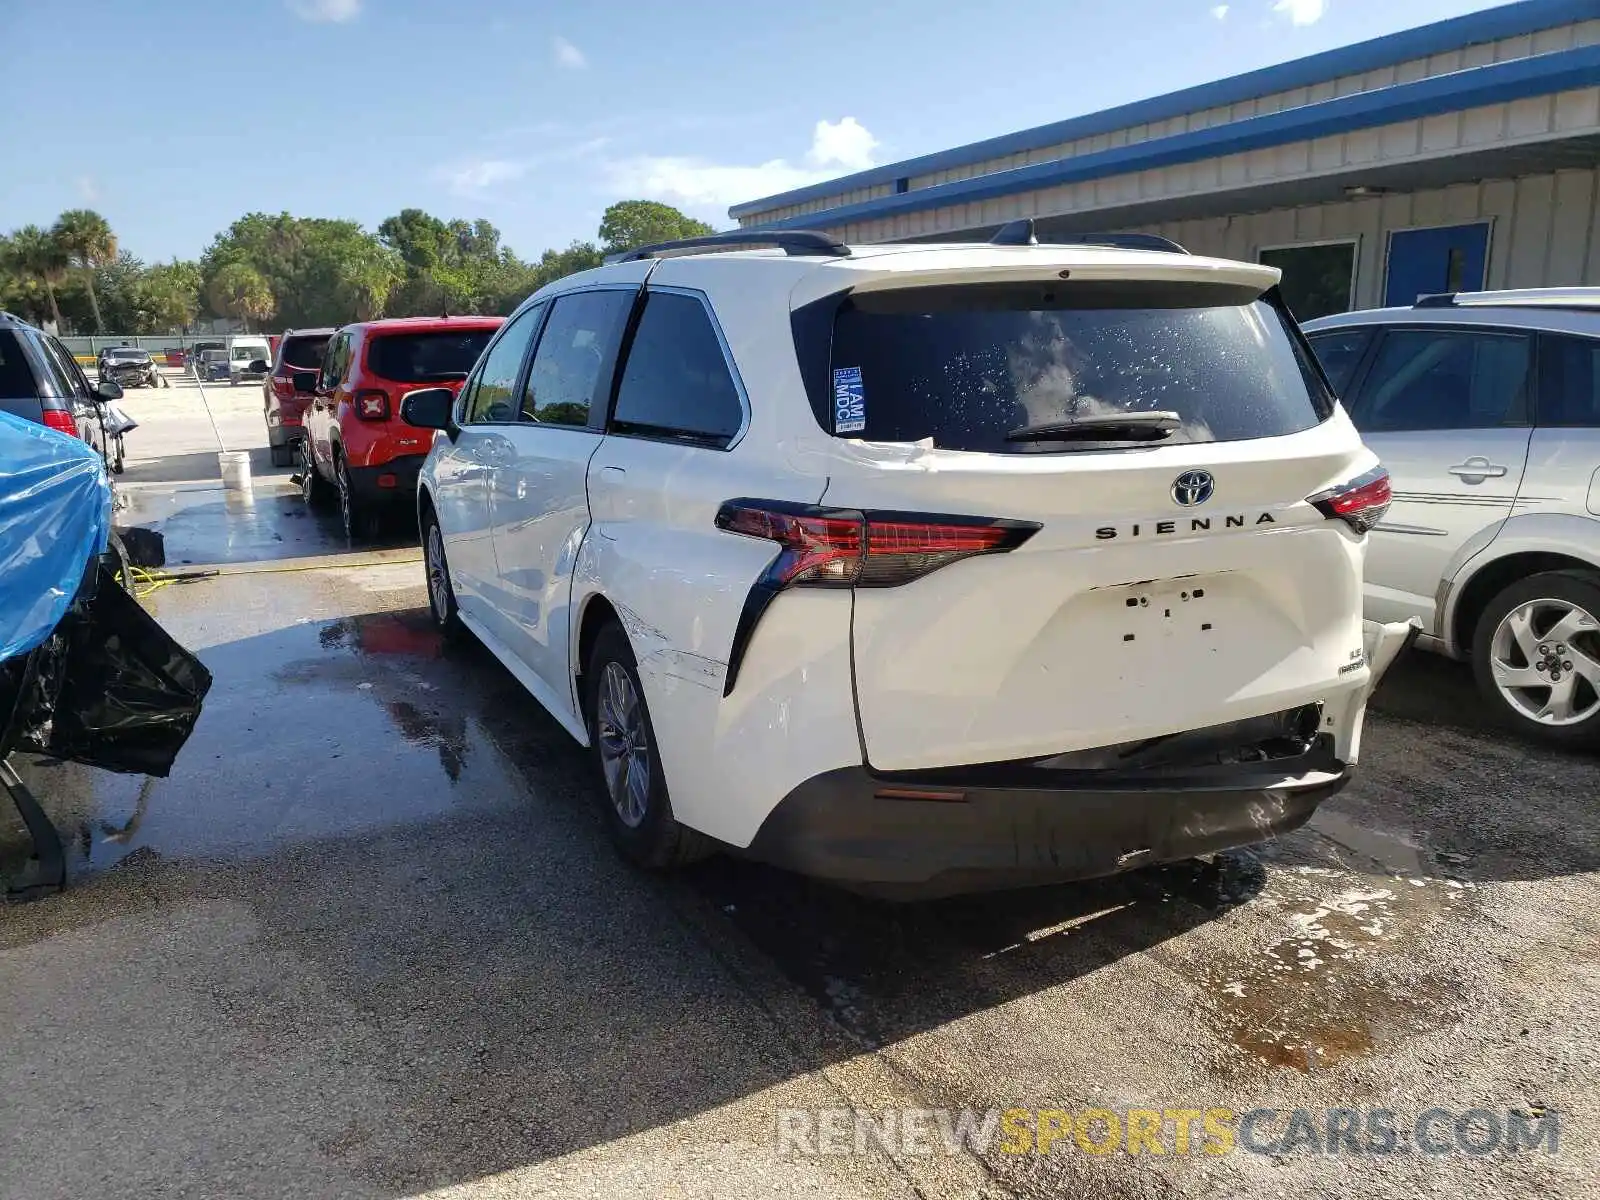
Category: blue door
[1424,262]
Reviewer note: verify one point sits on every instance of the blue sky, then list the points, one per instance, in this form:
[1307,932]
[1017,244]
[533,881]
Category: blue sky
[178,116]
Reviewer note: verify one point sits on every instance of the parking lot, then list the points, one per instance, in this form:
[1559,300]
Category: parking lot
[369,940]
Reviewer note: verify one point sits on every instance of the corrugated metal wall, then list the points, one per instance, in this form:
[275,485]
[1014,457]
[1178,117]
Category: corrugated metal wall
[1544,232]
[1528,122]
[1564,37]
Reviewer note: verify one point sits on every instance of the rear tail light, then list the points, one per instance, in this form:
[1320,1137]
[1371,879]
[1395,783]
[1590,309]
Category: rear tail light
[61,421]
[371,406]
[845,547]
[823,547]
[1360,503]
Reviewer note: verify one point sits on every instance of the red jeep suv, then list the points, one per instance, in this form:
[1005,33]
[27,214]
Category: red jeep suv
[299,350]
[356,447]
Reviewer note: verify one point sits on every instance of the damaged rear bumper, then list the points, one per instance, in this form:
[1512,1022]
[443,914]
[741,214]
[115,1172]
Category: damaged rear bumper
[930,833]
[917,838]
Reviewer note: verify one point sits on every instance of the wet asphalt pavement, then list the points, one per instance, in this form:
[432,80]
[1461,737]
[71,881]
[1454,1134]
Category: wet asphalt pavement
[369,940]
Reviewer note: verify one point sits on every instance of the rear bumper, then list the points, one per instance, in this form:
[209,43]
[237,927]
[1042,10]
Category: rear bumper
[840,826]
[393,482]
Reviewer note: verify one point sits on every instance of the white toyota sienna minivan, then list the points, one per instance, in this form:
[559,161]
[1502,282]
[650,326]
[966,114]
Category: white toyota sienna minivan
[918,568]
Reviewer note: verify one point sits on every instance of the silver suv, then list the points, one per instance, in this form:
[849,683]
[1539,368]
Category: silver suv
[1485,407]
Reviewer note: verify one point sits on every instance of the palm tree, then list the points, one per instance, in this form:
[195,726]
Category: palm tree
[241,291]
[87,238]
[35,254]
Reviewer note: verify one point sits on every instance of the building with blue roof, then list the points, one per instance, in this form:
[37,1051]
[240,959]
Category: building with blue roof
[1453,157]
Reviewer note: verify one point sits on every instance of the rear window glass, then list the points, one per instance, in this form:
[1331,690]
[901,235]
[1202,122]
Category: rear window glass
[16,379]
[305,353]
[421,357]
[968,366]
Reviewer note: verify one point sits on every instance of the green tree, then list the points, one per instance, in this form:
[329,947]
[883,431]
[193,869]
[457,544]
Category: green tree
[239,290]
[418,237]
[32,253]
[321,271]
[630,223]
[170,296]
[88,241]
[369,274]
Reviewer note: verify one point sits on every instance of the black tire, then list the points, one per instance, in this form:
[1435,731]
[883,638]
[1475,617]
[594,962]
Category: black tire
[1545,597]
[360,522]
[314,489]
[282,455]
[649,836]
[436,571]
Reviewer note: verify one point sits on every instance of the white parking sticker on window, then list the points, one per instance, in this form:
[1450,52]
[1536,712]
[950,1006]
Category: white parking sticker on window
[849,401]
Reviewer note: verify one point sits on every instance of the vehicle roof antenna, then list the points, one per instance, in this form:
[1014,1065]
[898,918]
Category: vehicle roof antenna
[1016,233]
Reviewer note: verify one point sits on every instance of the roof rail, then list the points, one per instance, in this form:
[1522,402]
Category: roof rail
[794,242]
[1550,297]
[1021,232]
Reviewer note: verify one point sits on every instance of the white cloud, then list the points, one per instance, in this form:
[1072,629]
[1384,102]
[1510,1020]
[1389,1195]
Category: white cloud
[568,55]
[1302,12]
[708,188]
[844,143]
[1220,12]
[88,189]
[474,177]
[336,11]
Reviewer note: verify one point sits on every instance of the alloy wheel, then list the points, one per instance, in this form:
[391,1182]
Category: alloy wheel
[1545,661]
[438,581]
[624,745]
[347,516]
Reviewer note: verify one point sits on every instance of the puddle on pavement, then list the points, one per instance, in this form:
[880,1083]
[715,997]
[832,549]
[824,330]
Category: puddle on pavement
[1320,992]
[320,729]
[214,525]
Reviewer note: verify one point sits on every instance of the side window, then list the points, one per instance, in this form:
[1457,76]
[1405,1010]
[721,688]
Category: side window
[676,381]
[333,363]
[1569,381]
[577,351]
[494,384]
[1339,351]
[1445,379]
[55,380]
[70,365]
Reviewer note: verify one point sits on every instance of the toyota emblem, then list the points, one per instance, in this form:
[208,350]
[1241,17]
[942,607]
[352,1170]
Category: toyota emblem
[1192,488]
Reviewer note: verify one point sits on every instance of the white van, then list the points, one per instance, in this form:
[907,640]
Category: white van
[243,350]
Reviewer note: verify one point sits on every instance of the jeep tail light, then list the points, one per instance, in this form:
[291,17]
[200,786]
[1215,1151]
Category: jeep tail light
[371,406]
[1360,503]
[823,547]
[61,421]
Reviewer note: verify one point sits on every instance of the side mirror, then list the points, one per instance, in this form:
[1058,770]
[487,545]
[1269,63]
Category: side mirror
[108,389]
[429,408]
[305,383]
[259,367]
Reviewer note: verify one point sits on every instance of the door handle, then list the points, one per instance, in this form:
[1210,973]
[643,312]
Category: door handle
[1476,470]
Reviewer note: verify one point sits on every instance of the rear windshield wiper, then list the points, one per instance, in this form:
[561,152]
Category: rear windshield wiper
[1102,427]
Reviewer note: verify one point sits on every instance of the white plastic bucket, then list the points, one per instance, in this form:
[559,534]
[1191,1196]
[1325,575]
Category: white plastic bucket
[234,466]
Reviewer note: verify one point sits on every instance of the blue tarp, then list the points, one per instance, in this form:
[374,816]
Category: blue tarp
[55,515]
